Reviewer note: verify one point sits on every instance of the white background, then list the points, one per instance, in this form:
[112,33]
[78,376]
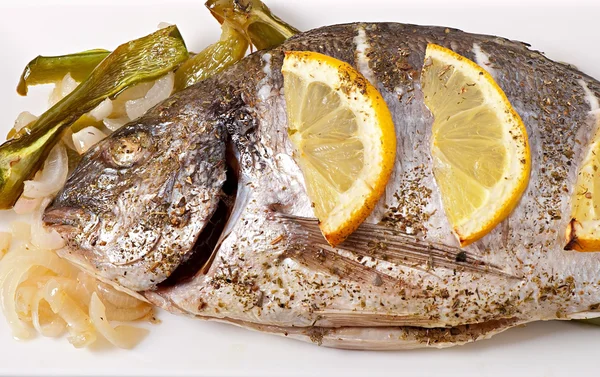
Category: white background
[566,31]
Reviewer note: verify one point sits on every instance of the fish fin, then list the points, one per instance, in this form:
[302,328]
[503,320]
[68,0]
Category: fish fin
[322,257]
[390,245]
[362,318]
[383,338]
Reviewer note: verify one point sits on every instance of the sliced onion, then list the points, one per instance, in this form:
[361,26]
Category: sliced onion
[121,336]
[160,91]
[8,292]
[119,305]
[5,240]
[87,282]
[86,138]
[75,290]
[62,89]
[24,298]
[54,327]
[162,25]
[56,94]
[40,236]
[24,119]
[67,139]
[68,85]
[103,110]
[114,313]
[25,205]
[44,320]
[53,176]
[20,230]
[17,266]
[135,92]
[25,258]
[81,331]
[14,270]
[114,124]
[116,298]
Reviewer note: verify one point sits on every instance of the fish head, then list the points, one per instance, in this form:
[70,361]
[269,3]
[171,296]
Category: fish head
[135,205]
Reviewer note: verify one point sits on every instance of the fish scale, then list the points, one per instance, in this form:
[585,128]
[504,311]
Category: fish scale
[269,272]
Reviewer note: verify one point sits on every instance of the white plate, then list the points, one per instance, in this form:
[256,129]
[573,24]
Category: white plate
[181,346]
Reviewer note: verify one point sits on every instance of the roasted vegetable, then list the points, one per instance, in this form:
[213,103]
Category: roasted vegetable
[254,19]
[136,61]
[242,21]
[50,69]
[229,49]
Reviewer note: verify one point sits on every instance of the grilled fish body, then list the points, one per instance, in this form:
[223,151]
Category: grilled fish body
[212,168]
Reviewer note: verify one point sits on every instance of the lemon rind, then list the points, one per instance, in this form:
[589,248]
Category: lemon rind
[512,186]
[375,129]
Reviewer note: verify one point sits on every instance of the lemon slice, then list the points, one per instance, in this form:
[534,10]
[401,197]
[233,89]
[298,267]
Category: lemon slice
[480,149]
[343,136]
[583,232]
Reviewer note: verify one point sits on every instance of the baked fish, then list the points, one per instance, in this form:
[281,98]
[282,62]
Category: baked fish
[200,207]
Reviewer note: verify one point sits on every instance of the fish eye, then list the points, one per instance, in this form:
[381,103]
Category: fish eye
[129,149]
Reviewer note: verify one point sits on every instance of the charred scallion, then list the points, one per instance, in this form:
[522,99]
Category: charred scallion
[50,69]
[229,49]
[136,61]
[254,19]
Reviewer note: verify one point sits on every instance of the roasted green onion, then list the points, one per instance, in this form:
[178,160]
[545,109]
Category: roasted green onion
[254,19]
[50,69]
[137,61]
[229,49]
[242,21]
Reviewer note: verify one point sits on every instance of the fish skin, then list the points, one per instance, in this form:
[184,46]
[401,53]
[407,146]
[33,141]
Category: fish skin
[255,280]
